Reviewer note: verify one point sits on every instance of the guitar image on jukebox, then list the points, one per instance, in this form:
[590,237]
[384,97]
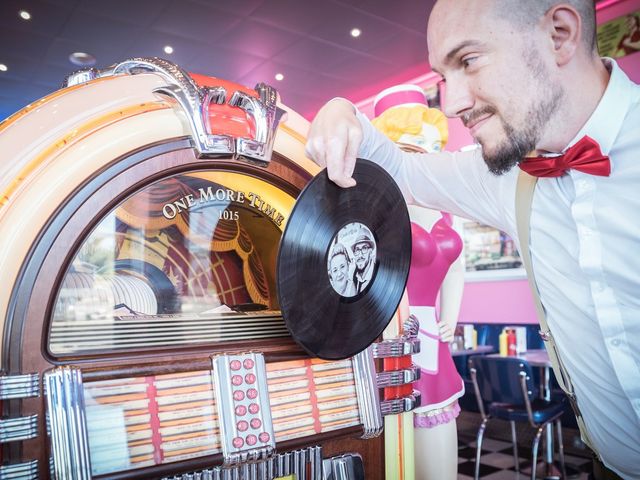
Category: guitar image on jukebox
[141,210]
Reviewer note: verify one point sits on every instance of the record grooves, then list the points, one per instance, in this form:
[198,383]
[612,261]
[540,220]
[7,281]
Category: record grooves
[343,262]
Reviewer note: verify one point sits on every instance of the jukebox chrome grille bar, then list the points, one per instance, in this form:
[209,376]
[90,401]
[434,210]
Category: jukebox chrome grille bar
[368,394]
[19,428]
[396,378]
[19,386]
[396,347]
[66,410]
[296,463]
[120,333]
[20,471]
[400,405]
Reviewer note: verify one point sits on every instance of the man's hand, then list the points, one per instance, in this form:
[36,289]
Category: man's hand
[334,138]
[446,332]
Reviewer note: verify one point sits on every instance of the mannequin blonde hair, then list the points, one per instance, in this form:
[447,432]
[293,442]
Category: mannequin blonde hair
[401,120]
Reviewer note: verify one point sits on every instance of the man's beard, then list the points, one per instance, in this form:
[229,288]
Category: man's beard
[521,141]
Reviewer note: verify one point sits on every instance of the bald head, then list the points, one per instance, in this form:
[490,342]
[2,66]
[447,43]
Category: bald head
[527,13]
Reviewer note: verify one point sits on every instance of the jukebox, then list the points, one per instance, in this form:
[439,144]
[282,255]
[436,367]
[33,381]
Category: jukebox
[141,210]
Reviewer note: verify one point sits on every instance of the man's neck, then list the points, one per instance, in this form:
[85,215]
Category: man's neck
[585,83]
[360,274]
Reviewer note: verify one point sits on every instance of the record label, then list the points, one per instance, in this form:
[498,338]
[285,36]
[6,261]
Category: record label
[351,259]
[343,262]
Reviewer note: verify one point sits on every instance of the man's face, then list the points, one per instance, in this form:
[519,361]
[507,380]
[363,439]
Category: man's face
[362,255]
[338,270]
[497,81]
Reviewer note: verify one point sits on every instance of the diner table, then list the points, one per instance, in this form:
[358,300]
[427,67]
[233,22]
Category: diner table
[479,350]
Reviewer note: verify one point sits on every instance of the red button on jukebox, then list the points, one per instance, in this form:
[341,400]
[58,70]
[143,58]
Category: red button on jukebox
[241,410]
[238,395]
[235,365]
[264,437]
[251,440]
[238,442]
[250,378]
[256,423]
[248,363]
[254,408]
[242,426]
[236,380]
[252,393]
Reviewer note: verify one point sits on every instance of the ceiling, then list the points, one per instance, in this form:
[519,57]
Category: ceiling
[246,41]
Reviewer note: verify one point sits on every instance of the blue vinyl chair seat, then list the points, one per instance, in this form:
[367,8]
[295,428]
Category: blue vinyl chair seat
[542,411]
[506,386]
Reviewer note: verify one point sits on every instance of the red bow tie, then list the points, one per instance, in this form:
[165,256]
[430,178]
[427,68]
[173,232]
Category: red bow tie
[585,156]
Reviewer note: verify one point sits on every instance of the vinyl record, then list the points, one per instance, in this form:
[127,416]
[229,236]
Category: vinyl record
[343,262]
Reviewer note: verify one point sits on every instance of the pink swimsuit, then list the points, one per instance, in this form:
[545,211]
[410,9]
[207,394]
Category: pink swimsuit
[432,255]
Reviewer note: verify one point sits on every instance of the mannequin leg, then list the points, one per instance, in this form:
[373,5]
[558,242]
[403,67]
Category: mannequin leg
[436,452]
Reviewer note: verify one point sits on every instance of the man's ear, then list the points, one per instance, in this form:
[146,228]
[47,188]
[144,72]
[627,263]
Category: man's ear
[564,25]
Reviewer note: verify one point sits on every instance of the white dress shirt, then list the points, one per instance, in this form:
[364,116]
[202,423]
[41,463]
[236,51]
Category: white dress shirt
[585,250]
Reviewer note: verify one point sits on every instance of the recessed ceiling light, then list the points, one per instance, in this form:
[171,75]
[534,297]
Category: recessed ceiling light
[24,15]
[3,67]
[168,49]
[279,77]
[356,32]
[82,59]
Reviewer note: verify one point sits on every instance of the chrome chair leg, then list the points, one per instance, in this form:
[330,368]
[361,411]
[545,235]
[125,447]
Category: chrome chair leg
[481,430]
[561,448]
[514,443]
[534,450]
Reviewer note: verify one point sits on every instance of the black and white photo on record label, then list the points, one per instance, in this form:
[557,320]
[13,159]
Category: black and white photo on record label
[351,259]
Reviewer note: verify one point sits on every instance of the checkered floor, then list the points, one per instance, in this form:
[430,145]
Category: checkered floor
[496,461]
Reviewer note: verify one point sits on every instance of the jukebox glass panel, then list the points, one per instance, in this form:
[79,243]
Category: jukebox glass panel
[144,421]
[188,259]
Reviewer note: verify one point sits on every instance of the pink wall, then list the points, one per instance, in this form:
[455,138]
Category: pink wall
[497,302]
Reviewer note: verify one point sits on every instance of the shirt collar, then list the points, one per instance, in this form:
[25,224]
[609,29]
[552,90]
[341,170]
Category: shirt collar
[607,119]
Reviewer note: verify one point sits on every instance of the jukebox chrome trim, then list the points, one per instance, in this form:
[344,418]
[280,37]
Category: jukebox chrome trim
[19,386]
[396,347]
[225,389]
[193,100]
[400,405]
[265,115]
[395,378]
[368,395]
[20,471]
[19,428]
[68,424]
[81,76]
[288,463]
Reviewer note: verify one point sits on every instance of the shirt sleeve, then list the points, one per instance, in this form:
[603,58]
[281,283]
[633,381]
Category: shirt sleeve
[458,183]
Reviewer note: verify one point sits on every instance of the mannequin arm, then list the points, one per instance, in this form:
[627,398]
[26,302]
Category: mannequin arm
[451,299]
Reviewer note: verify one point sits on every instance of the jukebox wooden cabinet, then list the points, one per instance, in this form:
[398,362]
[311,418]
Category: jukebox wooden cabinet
[140,214]
[141,211]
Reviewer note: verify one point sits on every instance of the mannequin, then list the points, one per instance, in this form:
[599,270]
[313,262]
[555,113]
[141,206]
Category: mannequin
[436,268]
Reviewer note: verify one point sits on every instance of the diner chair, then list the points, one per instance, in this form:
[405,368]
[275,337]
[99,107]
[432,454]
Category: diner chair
[505,385]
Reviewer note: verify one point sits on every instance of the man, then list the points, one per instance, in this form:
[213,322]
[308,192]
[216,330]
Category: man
[525,78]
[362,251]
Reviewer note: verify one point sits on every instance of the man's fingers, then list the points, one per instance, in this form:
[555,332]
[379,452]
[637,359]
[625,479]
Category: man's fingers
[354,140]
[334,138]
[336,148]
[315,150]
